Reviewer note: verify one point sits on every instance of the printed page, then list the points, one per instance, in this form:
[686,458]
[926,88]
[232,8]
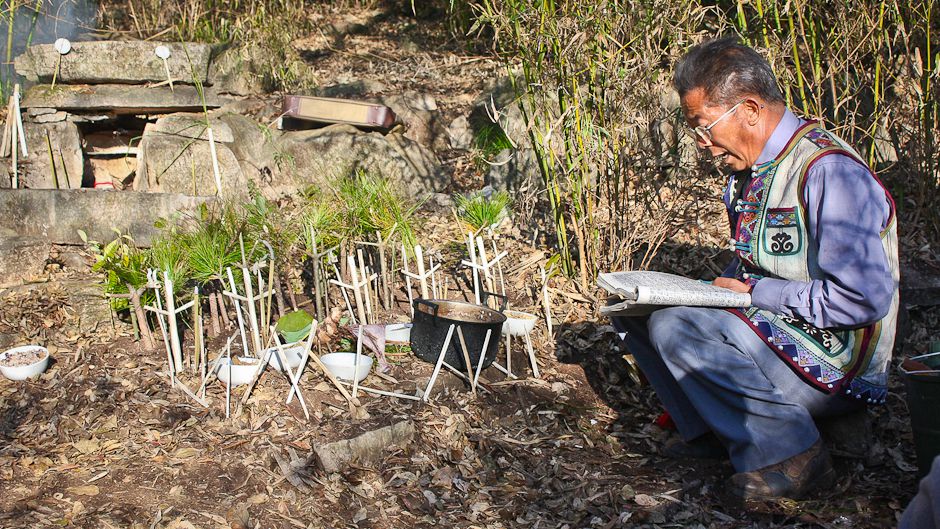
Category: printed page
[657,288]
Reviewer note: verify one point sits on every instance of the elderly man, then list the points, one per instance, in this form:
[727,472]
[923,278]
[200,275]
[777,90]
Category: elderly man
[814,238]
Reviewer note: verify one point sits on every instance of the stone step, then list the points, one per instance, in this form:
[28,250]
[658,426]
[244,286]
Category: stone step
[120,99]
[127,62]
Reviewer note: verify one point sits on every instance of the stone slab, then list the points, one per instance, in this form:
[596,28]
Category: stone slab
[57,215]
[22,259]
[119,99]
[103,62]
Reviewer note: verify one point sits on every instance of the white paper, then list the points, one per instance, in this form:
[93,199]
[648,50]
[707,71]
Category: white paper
[657,288]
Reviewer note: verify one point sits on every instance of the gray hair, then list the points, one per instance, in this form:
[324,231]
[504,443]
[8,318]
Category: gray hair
[727,71]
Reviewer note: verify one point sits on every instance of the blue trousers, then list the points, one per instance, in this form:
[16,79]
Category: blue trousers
[713,373]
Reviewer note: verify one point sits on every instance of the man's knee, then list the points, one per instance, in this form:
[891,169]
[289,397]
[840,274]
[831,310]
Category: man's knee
[665,325]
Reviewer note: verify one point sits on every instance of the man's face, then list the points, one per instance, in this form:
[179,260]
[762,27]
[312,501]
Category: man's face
[728,140]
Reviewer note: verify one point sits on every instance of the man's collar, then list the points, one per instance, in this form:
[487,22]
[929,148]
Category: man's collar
[781,135]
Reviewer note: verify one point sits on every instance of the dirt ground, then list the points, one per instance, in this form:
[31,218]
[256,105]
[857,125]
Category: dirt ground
[102,440]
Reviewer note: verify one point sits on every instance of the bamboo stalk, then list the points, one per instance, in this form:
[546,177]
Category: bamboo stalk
[360,308]
[466,359]
[440,360]
[419,257]
[365,282]
[238,311]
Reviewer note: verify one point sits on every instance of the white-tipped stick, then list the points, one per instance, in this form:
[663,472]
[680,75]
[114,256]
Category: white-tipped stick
[486,342]
[476,272]
[463,376]
[419,257]
[213,371]
[502,370]
[308,346]
[546,301]
[531,350]
[152,282]
[499,268]
[355,284]
[440,361]
[509,353]
[215,163]
[355,390]
[169,78]
[485,265]
[404,262]
[290,374]
[252,313]
[433,278]
[466,359]
[342,288]
[238,309]
[174,329]
[326,372]
[364,282]
[7,126]
[14,148]
[228,385]
[185,389]
[19,120]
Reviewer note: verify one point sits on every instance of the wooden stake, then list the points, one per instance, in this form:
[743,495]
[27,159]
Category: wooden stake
[486,342]
[476,271]
[215,163]
[308,346]
[440,361]
[17,113]
[238,310]
[152,281]
[419,257]
[404,261]
[532,359]
[383,273]
[546,302]
[5,143]
[252,313]
[355,390]
[364,282]
[171,316]
[360,308]
[326,372]
[466,359]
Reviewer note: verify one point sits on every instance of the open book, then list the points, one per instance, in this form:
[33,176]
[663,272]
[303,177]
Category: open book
[643,292]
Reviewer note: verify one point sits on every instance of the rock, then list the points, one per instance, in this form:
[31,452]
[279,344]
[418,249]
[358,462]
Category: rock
[460,134]
[91,306]
[66,144]
[312,157]
[513,170]
[351,88]
[103,62]
[22,259]
[421,117]
[57,215]
[119,99]
[235,71]
[366,449]
[175,157]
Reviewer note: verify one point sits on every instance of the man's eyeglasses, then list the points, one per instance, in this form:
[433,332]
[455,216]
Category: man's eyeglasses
[703,133]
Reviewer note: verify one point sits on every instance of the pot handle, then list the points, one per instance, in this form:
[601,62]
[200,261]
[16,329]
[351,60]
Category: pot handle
[433,306]
[503,299]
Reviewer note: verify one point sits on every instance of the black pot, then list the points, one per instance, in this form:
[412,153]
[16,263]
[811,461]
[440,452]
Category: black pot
[433,318]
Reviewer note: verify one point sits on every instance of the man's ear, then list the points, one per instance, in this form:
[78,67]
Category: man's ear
[752,110]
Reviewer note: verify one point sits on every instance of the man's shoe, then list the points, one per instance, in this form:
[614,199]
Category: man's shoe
[792,478]
[707,446]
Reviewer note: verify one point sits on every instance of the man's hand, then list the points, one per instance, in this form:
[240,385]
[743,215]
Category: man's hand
[732,284]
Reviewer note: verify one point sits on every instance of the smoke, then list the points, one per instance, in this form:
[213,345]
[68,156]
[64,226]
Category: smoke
[40,22]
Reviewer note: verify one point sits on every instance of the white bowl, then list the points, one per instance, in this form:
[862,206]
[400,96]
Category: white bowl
[519,323]
[241,373]
[398,333]
[343,366]
[292,355]
[25,371]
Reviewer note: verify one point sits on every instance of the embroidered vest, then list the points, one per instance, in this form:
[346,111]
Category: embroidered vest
[770,239]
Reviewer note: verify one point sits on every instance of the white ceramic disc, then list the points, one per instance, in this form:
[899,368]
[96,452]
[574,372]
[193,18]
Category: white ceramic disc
[63,46]
[162,51]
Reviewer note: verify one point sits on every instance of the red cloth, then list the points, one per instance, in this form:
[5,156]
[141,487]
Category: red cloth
[665,422]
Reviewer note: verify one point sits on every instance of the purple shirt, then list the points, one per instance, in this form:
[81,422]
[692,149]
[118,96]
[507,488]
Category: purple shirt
[847,210]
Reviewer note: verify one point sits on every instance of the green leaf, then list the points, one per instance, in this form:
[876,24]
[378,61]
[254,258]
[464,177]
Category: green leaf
[83,236]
